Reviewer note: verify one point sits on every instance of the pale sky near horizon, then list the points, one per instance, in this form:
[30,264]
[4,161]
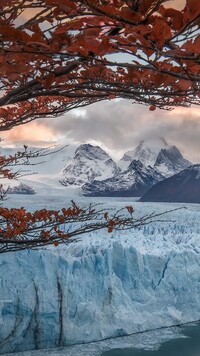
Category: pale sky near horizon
[115,125]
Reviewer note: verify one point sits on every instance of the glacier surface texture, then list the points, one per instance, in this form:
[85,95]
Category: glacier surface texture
[103,286]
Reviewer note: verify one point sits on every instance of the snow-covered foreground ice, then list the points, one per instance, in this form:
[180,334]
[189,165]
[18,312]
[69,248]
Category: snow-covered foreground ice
[104,285]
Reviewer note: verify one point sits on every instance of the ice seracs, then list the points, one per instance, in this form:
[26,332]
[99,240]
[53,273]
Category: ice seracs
[102,286]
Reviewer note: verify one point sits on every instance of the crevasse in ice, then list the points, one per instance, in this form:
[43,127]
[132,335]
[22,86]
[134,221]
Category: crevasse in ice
[92,291]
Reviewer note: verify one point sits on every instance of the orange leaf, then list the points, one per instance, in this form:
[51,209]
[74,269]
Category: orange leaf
[174,17]
[152,108]
[146,5]
[49,80]
[130,209]
[193,8]
[184,84]
[161,32]
[56,243]
[106,215]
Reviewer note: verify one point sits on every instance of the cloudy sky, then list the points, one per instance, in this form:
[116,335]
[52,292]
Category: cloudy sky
[116,126]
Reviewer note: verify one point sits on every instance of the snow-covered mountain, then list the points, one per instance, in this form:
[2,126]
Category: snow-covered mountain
[45,170]
[149,163]
[44,173]
[170,161]
[134,182]
[75,166]
[183,187]
[146,152]
[52,162]
[166,159]
[89,163]
[71,166]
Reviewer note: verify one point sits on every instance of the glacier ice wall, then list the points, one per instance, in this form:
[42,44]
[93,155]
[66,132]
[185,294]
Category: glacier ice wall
[93,292]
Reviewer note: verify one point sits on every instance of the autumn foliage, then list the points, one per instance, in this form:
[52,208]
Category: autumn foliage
[59,55]
[20,229]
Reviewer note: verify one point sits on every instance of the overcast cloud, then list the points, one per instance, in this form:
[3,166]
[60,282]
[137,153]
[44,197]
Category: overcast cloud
[117,126]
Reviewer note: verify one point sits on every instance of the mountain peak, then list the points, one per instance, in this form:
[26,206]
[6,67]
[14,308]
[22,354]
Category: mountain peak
[170,161]
[146,152]
[154,142]
[156,152]
[135,164]
[91,152]
[84,147]
[151,145]
[89,163]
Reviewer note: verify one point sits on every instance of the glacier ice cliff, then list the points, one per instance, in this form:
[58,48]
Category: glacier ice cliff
[94,291]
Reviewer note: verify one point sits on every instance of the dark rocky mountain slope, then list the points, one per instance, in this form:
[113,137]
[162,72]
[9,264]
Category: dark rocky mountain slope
[133,182]
[183,187]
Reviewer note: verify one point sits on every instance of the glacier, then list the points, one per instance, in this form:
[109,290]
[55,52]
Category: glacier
[104,285]
[148,341]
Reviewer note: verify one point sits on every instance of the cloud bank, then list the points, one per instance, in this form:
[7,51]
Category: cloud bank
[116,125]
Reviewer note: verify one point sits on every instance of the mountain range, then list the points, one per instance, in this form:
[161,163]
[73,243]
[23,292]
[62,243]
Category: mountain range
[93,172]
[140,169]
[156,153]
[132,182]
